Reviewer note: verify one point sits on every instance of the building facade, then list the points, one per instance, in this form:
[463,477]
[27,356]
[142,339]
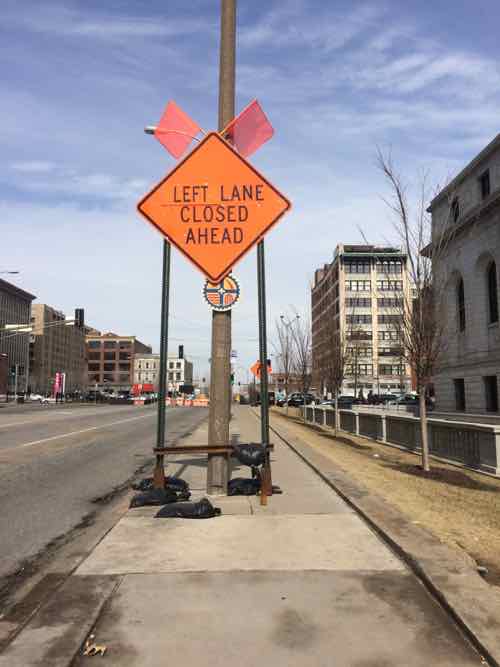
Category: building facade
[15,309]
[57,345]
[357,301]
[467,213]
[179,370]
[111,360]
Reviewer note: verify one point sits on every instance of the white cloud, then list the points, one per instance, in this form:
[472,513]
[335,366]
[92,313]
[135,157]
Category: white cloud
[33,166]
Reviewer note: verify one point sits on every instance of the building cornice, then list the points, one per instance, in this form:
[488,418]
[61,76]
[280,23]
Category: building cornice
[466,171]
[16,291]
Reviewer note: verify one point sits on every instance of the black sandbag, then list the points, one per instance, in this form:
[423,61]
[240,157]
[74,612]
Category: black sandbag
[243,486]
[251,454]
[154,497]
[175,483]
[203,509]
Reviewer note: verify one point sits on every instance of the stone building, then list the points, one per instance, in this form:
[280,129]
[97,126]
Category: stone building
[111,360]
[468,212]
[357,299]
[15,309]
[179,370]
[57,345]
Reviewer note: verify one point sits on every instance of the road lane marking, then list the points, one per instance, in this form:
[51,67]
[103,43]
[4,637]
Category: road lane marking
[76,415]
[85,430]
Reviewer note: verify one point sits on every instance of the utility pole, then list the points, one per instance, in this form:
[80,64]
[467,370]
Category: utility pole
[220,371]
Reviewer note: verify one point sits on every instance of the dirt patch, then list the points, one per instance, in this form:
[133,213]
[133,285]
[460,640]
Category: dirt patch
[461,507]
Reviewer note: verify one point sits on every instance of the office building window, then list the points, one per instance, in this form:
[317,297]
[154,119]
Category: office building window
[484,184]
[491,393]
[390,369]
[390,302]
[461,305]
[459,384]
[359,335]
[358,285]
[109,344]
[389,335]
[354,352]
[363,369]
[389,267]
[109,356]
[94,344]
[357,267]
[94,356]
[358,319]
[390,285]
[390,319]
[492,292]
[358,301]
[109,367]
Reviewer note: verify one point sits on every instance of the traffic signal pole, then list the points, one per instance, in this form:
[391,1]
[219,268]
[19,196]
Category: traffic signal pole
[220,374]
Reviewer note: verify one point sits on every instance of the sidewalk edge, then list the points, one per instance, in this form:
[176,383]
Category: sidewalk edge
[457,588]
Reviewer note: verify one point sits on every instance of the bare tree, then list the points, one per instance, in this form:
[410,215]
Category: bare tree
[420,326]
[302,357]
[335,362]
[284,348]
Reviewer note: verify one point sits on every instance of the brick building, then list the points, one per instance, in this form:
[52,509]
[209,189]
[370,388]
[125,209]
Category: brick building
[57,345]
[357,299]
[111,360]
[15,308]
[469,207]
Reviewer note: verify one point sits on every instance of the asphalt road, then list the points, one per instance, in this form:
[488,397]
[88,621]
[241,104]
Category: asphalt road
[55,462]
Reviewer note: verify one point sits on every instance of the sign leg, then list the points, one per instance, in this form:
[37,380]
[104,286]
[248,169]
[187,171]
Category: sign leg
[266,485]
[159,472]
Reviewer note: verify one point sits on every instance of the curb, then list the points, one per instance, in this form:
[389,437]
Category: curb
[452,581]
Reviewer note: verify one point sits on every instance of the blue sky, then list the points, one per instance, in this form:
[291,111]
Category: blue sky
[81,79]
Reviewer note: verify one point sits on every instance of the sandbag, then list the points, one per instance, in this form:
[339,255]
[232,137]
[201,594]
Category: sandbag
[203,509]
[158,497]
[243,486]
[251,454]
[175,483]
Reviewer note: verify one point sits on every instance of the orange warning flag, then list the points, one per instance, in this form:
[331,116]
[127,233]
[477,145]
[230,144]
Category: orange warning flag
[249,130]
[176,130]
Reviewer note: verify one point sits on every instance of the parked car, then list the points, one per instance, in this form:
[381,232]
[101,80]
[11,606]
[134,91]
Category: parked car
[344,402]
[41,399]
[405,399]
[297,399]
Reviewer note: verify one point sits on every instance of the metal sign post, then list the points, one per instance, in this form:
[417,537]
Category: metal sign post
[266,483]
[159,472]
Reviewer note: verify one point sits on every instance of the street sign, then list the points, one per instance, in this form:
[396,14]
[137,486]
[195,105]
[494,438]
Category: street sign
[214,206]
[255,369]
[223,295]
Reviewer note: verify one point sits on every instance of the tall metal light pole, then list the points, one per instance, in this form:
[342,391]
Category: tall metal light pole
[220,372]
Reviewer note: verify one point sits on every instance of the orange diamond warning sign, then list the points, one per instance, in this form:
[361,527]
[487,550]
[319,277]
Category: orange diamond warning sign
[214,206]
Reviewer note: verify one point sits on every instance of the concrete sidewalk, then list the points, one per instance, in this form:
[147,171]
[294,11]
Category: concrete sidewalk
[301,582]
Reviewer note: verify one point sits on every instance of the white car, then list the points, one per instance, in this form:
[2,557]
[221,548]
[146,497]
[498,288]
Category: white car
[41,399]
